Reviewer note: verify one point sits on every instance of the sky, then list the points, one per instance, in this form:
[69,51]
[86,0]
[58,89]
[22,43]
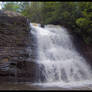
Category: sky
[0,4]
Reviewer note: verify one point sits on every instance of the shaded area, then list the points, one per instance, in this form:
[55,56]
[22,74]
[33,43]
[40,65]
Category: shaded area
[11,86]
[16,48]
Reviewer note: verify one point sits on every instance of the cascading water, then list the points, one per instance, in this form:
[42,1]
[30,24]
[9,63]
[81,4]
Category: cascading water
[58,59]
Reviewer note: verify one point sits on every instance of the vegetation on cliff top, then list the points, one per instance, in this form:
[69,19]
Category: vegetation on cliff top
[75,15]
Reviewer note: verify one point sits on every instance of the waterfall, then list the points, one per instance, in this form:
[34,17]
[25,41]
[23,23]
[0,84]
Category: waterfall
[58,59]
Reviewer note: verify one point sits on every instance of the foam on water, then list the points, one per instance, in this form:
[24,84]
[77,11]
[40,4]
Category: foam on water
[62,64]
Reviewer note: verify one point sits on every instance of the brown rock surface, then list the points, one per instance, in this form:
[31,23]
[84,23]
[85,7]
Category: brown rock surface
[15,39]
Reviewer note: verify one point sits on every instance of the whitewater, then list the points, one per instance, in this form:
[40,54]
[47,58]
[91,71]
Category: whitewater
[60,64]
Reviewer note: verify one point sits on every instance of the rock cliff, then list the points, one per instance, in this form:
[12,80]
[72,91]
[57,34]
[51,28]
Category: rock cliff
[16,50]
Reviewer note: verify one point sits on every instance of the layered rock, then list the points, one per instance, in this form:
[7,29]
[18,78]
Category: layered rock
[16,51]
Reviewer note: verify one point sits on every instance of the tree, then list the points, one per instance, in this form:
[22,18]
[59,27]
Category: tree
[12,6]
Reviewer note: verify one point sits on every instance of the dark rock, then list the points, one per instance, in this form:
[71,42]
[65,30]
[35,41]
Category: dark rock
[16,48]
[84,49]
[42,25]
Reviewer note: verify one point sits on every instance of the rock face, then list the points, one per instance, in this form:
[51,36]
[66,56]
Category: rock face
[84,49]
[16,51]
[87,52]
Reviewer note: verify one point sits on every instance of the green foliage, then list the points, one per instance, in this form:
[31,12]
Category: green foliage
[11,6]
[75,15]
[82,22]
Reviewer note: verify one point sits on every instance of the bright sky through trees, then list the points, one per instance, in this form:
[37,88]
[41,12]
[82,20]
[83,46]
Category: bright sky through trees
[0,5]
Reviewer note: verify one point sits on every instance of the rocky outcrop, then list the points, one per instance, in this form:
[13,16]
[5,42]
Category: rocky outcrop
[84,49]
[87,52]
[16,51]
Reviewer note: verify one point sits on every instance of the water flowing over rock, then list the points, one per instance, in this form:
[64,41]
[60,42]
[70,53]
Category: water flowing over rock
[59,61]
[16,64]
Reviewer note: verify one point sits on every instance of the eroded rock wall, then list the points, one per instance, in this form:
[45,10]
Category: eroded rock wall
[16,64]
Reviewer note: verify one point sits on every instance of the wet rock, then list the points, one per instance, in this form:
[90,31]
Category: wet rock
[42,25]
[15,39]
